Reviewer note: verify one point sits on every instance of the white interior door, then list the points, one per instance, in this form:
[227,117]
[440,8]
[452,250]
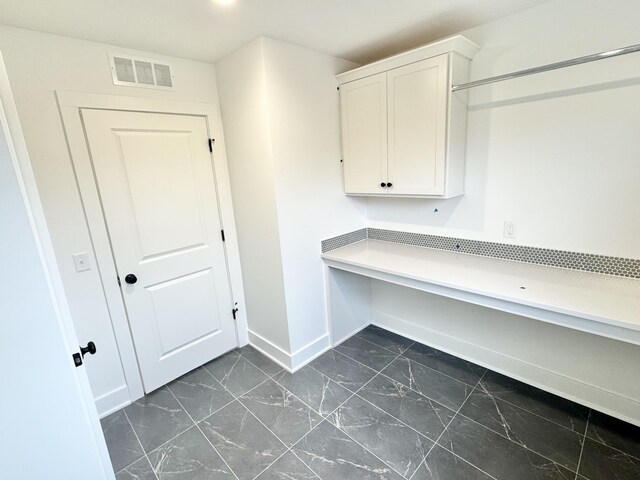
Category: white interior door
[363,111]
[50,426]
[157,186]
[417,126]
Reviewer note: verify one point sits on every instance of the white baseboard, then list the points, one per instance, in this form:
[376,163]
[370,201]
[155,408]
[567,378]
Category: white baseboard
[309,352]
[294,361]
[611,403]
[112,401]
[338,341]
[270,349]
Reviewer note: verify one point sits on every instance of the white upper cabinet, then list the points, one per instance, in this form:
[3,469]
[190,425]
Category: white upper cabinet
[364,133]
[403,131]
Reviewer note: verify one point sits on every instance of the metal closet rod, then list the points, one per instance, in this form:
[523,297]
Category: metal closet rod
[545,68]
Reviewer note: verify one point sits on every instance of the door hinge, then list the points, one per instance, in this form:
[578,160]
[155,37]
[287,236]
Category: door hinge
[233,312]
[77,359]
[211,140]
[222,233]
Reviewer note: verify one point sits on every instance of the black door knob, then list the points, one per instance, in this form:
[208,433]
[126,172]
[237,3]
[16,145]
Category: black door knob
[383,184]
[90,348]
[131,279]
[389,184]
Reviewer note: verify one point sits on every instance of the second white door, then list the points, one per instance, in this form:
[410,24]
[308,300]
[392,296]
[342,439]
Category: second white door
[158,191]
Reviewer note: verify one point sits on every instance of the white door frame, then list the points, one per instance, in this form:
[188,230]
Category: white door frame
[10,123]
[70,104]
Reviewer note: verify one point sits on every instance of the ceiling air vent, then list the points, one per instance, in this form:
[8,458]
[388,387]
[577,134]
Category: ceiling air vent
[140,72]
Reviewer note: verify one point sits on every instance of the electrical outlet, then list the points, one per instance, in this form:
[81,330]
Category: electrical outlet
[509,229]
[81,261]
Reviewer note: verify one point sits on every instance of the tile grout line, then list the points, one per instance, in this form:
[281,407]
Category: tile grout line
[374,343]
[354,394]
[447,428]
[584,440]
[529,411]
[202,433]
[144,450]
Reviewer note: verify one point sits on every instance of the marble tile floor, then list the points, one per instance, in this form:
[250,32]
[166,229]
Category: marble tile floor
[378,406]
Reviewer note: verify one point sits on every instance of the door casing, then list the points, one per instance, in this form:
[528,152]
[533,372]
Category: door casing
[70,104]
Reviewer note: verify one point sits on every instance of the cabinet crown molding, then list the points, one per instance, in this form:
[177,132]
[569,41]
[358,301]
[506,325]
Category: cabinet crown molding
[457,44]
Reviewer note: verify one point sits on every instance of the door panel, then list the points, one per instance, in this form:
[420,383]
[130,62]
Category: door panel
[185,297]
[163,190]
[157,187]
[363,105]
[417,126]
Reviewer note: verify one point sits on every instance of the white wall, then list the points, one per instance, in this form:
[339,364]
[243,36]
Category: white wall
[557,153]
[245,116]
[280,112]
[38,64]
[304,120]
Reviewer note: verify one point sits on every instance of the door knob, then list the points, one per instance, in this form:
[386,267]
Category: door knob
[90,348]
[131,279]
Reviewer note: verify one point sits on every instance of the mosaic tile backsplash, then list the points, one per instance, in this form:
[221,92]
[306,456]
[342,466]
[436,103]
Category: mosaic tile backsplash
[624,267]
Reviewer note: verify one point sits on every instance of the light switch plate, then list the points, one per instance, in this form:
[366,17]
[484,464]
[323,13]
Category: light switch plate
[81,261]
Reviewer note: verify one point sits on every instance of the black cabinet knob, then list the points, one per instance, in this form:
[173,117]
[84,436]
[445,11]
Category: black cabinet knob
[383,184]
[90,348]
[131,279]
[389,184]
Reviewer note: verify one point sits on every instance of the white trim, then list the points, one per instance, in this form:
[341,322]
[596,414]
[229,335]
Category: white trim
[270,350]
[70,104]
[294,361]
[310,352]
[570,388]
[456,43]
[113,401]
[20,158]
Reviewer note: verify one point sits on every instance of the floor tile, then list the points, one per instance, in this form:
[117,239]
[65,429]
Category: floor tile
[344,371]
[189,457]
[497,456]
[261,361]
[614,433]
[245,444]
[235,373]
[455,367]
[600,462]
[157,417]
[288,467]
[384,338]
[441,388]
[547,405]
[282,413]
[140,470]
[124,448]
[425,415]
[542,436]
[390,440]
[200,394]
[333,455]
[443,465]
[370,354]
[315,389]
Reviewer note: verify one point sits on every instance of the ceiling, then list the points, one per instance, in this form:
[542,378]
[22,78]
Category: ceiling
[357,30]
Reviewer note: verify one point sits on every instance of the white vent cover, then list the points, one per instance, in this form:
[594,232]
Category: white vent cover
[140,72]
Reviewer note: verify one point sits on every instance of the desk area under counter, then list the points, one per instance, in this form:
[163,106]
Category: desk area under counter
[537,323]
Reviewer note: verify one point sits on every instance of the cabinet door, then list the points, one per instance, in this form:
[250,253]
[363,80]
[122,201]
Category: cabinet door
[417,102]
[363,105]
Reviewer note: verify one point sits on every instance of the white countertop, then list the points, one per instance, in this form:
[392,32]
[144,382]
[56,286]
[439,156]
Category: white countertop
[596,297]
